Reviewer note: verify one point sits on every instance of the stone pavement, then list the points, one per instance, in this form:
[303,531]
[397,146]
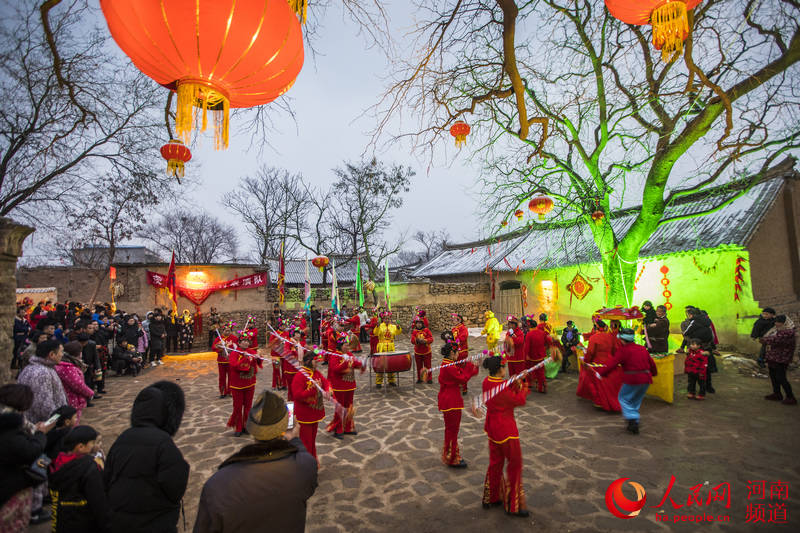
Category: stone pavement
[389,477]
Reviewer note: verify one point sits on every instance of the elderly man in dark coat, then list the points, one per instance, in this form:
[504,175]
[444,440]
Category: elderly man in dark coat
[658,331]
[265,485]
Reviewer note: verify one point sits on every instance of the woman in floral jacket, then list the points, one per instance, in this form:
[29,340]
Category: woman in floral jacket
[781,343]
[70,370]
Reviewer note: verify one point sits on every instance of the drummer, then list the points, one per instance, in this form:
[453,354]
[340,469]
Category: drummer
[386,332]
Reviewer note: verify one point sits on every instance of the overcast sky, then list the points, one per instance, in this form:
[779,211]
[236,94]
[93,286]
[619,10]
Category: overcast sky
[331,92]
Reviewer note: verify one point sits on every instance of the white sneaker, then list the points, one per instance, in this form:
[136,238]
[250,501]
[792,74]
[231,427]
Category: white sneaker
[160,362]
[153,363]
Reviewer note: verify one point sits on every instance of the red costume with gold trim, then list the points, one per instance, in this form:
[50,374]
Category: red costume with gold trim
[342,378]
[536,342]
[354,323]
[373,339]
[501,428]
[289,370]
[242,371]
[461,335]
[275,342]
[309,410]
[422,339]
[324,326]
[231,341]
[451,379]
[516,358]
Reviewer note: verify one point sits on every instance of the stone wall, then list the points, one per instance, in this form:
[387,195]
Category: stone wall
[72,283]
[12,236]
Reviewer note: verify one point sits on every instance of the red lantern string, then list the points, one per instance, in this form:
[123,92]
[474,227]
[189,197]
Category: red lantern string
[638,277]
[665,282]
[738,278]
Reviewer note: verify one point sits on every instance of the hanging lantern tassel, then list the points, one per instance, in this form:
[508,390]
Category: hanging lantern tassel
[670,28]
[300,7]
[196,97]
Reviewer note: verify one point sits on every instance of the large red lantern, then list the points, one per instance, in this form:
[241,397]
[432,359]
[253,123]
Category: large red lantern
[460,130]
[320,262]
[215,54]
[541,205]
[176,153]
[668,18]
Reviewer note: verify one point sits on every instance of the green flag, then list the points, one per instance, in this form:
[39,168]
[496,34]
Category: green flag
[359,283]
[386,286]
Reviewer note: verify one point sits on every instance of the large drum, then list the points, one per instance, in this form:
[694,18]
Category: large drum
[389,362]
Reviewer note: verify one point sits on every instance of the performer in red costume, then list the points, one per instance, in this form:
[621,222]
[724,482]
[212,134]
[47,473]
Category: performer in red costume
[501,428]
[225,339]
[604,392]
[343,381]
[294,337]
[371,325]
[536,342]
[309,410]
[461,336]
[421,339]
[514,346]
[451,379]
[275,345]
[354,324]
[242,371]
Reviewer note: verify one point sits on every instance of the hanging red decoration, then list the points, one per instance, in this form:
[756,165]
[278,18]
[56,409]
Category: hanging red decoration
[504,223]
[176,153]
[579,287]
[738,278]
[668,18]
[320,262]
[460,130]
[665,282]
[519,213]
[638,277]
[598,216]
[541,205]
[215,54]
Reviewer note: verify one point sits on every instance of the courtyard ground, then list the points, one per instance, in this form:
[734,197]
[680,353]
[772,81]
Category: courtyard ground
[390,478]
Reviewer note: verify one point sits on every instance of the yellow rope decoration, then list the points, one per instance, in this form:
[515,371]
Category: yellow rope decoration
[199,98]
[670,28]
[300,7]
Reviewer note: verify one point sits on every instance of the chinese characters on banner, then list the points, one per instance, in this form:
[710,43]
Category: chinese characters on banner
[198,295]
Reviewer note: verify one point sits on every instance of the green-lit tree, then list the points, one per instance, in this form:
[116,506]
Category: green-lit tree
[565,100]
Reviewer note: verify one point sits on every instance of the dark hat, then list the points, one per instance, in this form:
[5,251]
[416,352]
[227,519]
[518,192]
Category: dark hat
[83,337]
[79,435]
[600,324]
[268,418]
[781,319]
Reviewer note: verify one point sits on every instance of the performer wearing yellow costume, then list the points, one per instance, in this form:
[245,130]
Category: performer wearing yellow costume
[492,329]
[386,332]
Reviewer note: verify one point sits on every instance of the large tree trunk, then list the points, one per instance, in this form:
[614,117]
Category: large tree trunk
[619,260]
[12,236]
[619,275]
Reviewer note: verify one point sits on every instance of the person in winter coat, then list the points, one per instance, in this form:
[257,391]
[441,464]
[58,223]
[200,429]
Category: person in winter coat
[649,312]
[781,343]
[40,375]
[658,332]
[158,336]
[186,331]
[76,485]
[764,323]
[266,482]
[67,419]
[145,474]
[570,338]
[21,331]
[70,370]
[21,447]
[492,329]
[172,326]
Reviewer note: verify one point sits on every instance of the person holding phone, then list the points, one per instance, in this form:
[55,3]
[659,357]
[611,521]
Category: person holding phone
[276,471]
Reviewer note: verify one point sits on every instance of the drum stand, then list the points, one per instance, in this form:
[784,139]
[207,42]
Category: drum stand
[386,374]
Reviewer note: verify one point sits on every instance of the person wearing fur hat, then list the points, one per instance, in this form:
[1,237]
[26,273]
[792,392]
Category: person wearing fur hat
[386,332]
[70,370]
[421,339]
[268,481]
[492,329]
[343,381]
[514,346]
[461,336]
[638,369]
[145,474]
[309,410]
[224,341]
[242,369]
[451,379]
[504,448]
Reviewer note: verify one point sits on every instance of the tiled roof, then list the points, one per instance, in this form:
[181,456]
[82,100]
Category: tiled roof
[296,272]
[553,247]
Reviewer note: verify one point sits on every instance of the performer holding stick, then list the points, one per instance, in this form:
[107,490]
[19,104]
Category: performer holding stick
[221,345]
[292,348]
[421,339]
[343,382]
[275,346]
[451,379]
[461,336]
[243,366]
[514,346]
[501,428]
[309,410]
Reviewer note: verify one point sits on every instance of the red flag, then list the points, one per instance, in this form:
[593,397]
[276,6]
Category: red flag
[281,278]
[112,273]
[171,285]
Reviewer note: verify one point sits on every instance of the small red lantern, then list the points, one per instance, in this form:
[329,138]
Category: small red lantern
[519,213]
[668,18]
[598,216]
[504,223]
[541,205]
[176,153]
[320,262]
[460,130]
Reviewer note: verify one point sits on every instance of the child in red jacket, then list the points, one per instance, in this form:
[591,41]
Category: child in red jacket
[696,368]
